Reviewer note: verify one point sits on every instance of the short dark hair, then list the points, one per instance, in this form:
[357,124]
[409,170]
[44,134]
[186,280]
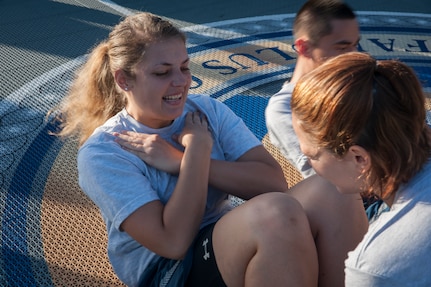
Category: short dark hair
[314,18]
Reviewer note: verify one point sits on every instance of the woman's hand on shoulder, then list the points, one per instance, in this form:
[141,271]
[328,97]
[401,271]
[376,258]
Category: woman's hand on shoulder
[152,149]
[195,131]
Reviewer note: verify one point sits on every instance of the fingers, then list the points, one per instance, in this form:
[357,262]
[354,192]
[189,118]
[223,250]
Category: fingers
[130,137]
[197,118]
[137,149]
[130,141]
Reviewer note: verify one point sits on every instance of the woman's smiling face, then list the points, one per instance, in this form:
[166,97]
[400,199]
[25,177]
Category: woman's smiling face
[158,93]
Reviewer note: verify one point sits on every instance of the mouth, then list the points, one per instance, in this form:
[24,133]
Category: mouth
[173,98]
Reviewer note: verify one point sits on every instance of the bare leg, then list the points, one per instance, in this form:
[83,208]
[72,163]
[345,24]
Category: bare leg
[338,223]
[266,241]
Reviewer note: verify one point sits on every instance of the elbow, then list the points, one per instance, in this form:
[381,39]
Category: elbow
[179,255]
[175,253]
[281,185]
[178,250]
[173,249]
[278,181]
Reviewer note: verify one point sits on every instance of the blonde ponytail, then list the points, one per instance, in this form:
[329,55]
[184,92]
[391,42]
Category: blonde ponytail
[93,97]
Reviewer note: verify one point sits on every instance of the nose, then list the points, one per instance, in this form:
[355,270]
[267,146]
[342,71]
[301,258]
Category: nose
[180,79]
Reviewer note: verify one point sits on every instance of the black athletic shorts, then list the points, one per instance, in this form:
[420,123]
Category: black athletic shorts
[204,270]
[197,269]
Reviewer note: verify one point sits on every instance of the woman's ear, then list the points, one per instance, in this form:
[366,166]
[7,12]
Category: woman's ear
[121,80]
[361,157]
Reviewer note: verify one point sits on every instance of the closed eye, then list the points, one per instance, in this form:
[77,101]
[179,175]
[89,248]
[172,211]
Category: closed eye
[161,73]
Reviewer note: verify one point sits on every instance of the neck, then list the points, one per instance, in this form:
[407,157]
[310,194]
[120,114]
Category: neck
[303,66]
[390,200]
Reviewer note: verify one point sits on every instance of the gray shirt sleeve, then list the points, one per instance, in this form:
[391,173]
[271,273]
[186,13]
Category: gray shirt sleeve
[278,117]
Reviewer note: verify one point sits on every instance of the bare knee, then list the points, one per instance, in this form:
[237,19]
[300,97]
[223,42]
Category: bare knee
[276,212]
[270,230]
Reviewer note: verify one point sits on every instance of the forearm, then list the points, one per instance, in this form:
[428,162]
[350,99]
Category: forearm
[247,178]
[185,209]
[169,229]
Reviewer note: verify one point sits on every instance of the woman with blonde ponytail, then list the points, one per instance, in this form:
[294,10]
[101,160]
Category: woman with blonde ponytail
[164,194]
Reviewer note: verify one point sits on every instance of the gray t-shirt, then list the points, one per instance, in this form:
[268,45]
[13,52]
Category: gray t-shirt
[396,250]
[120,182]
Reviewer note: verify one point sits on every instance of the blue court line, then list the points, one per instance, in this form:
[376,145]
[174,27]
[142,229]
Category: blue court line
[15,255]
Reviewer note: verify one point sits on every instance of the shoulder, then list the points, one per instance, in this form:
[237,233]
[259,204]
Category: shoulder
[418,188]
[279,104]
[206,104]
[285,91]
[102,141]
[202,99]
[282,97]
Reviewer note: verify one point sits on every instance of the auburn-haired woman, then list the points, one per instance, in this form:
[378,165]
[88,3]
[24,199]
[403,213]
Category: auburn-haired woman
[362,125]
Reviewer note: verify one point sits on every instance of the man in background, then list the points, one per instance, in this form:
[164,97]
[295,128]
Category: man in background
[322,29]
